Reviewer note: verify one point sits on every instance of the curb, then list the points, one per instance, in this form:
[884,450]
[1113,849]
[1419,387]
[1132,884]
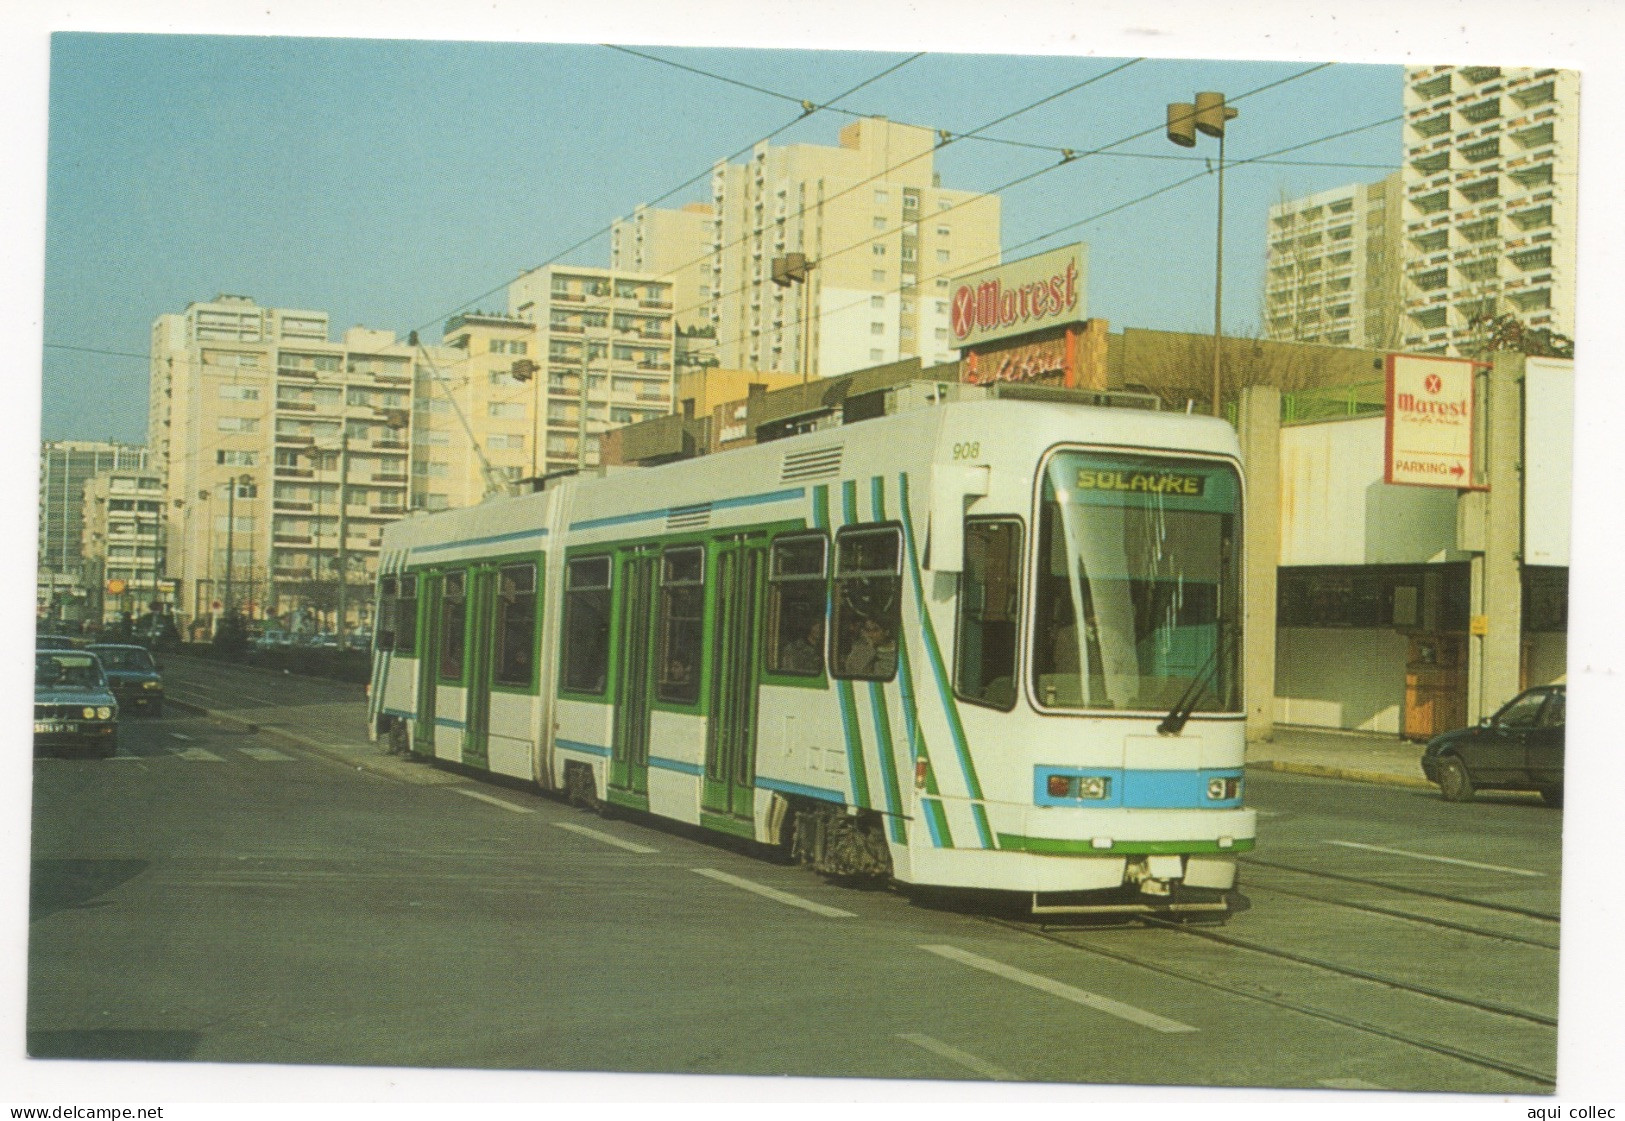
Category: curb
[1347,774]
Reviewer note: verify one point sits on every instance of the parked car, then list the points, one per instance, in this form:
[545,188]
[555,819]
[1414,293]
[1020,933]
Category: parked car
[57,642]
[72,702]
[1519,748]
[134,677]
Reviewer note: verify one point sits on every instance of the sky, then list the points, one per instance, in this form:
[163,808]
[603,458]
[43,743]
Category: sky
[391,163]
[391,183]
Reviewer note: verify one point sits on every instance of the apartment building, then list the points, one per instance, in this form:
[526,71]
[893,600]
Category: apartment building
[282,454]
[882,238]
[1335,273]
[1490,181]
[674,245]
[604,351]
[479,403]
[123,543]
[65,466]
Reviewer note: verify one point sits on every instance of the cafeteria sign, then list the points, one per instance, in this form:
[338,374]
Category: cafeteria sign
[1430,422]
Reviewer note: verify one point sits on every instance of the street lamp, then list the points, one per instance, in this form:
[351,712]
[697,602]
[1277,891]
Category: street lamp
[1207,115]
[245,480]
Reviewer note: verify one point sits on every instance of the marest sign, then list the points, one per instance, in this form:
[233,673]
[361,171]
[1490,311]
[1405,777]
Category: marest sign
[1021,297]
[1430,422]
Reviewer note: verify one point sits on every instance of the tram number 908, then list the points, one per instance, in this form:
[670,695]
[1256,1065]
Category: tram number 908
[969,449]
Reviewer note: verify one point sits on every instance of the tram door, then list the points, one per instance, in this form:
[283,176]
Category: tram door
[629,759]
[477,719]
[730,750]
[428,650]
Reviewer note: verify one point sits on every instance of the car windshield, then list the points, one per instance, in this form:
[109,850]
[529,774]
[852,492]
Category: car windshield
[124,659]
[67,670]
[1138,603]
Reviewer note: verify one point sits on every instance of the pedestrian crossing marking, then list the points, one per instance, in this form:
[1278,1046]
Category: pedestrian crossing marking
[199,755]
[266,754]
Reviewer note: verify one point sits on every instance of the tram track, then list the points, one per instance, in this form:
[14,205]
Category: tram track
[1405,889]
[1279,1000]
[1405,916]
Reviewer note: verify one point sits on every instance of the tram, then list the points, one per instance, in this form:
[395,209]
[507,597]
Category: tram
[986,643]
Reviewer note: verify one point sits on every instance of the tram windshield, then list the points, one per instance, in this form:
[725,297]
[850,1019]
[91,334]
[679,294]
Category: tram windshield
[1138,598]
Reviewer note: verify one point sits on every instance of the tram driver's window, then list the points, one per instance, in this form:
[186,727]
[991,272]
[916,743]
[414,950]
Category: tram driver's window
[797,603]
[406,617]
[453,615]
[989,601]
[585,653]
[868,603]
[515,640]
[682,622]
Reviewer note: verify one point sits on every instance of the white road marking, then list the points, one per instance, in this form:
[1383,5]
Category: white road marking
[198,755]
[494,801]
[775,894]
[1349,1084]
[1064,991]
[1439,859]
[954,1055]
[266,754]
[606,838]
[179,736]
[1267,813]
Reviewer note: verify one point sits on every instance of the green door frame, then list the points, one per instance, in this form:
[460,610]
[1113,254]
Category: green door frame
[431,588]
[730,749]
[634,652]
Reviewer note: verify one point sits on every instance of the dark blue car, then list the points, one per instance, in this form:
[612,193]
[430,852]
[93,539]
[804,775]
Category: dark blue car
[1519,748]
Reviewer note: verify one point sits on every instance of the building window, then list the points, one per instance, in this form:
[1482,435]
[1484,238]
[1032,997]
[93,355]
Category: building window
[877,301]
[878,276]
[942,256]
[405,618]
[877,249]
[877,328]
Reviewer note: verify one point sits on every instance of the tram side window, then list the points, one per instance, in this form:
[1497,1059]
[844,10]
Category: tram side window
[989,599]
[406,617]
[798,601]
[453,614]
[388,590]
[516,624]
[868,602]
[682,611]
[586,625]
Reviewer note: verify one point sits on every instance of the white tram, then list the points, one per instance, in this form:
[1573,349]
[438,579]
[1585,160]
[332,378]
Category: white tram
[989,644]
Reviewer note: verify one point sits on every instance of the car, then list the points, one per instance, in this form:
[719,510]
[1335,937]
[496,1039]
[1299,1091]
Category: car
[73,705]
[57,642]
[134,677]
[156,632]
[1519,748]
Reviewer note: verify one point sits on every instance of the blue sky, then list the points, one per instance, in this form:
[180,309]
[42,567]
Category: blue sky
[392,182]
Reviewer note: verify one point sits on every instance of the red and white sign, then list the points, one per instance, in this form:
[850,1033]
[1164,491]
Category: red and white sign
[1020,297]
[1430,422]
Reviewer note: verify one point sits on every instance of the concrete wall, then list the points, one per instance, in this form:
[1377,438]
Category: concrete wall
[1343,678]
[1335,508]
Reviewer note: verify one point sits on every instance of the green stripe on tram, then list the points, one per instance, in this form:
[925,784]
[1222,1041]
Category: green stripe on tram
[940,673]
[843,689]
[877,701]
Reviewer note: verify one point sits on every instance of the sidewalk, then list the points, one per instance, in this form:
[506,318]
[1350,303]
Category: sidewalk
[1355,756]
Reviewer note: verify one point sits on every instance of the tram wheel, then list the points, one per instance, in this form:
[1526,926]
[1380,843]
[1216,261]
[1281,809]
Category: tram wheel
[1454,782]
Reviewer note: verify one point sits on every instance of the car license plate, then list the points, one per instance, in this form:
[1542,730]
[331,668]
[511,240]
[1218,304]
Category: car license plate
[50,727]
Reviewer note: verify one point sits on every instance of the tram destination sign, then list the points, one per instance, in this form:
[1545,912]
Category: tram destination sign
[1429,440]
[1018,298]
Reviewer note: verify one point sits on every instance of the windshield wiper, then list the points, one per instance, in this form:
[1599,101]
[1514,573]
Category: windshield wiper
[1174,722]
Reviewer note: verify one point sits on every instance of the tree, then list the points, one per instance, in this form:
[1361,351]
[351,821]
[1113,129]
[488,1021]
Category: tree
[1508,332]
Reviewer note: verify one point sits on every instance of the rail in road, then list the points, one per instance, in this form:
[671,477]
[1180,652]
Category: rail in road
[1383,944]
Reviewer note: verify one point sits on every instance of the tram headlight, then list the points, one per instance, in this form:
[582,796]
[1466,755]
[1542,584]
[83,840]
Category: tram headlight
[1078,787]
[1223,789]
[1093,786]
